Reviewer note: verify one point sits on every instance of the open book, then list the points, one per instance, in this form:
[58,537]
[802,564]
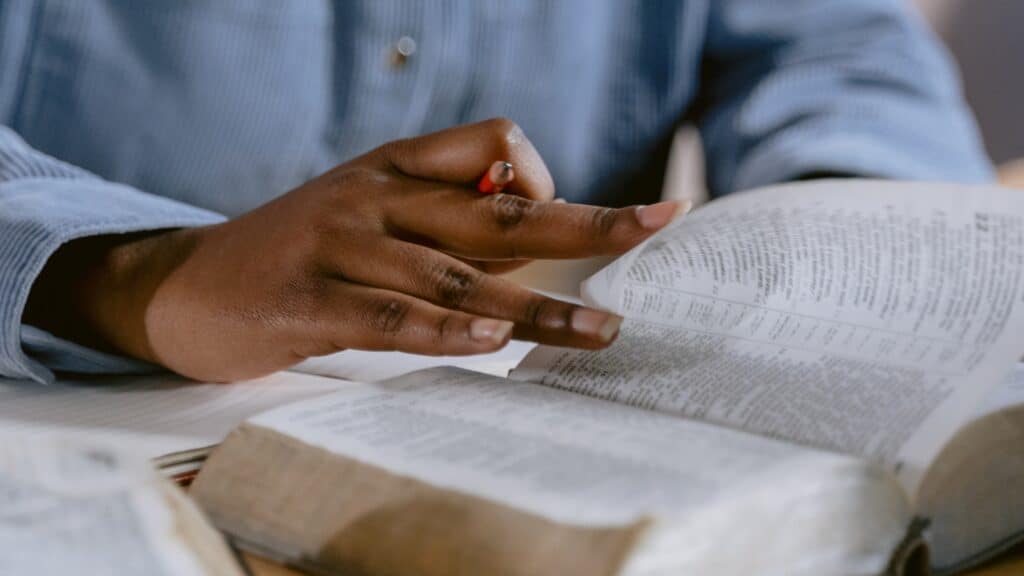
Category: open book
[806,384]
[162,417]
[69,506]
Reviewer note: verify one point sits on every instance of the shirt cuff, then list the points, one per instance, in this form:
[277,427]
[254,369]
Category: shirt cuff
[60,355]
[37,216]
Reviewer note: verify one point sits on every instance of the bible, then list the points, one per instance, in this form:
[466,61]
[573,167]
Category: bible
[79,506]
[813,378]
[170,420]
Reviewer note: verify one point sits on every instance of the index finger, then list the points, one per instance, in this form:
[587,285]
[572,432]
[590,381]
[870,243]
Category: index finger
[462,154]
[509,227]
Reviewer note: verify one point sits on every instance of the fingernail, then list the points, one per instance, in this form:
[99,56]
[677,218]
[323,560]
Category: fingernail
[657,215]
[559,201]
[596,324]
[489,330]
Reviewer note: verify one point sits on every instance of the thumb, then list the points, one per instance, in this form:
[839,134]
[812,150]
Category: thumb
[462,154]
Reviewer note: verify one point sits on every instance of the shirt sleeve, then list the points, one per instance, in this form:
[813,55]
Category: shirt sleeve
[792,87]
[45,203]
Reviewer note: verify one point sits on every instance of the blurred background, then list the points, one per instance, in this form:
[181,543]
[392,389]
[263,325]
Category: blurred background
[986,41]
[986,37]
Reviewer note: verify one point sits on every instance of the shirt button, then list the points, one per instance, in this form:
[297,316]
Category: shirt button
[404,48]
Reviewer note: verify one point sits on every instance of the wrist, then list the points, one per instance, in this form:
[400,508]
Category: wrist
[94,291]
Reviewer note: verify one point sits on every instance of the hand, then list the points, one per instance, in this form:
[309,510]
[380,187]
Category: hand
[391,251]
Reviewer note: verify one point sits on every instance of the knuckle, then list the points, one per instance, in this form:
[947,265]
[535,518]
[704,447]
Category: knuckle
[352,201]
[350,189]
[602,220]
[325,237]
[331,232]
[337,178]
[446,328]
[388,316]
[455,285]
[502,126]
[316,296]
[508,134]
[394,151]
[509,210]
[400,156]
[549,314]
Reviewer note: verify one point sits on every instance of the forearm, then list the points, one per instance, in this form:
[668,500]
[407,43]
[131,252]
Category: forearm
[46,204]
[94,291]
[835,87]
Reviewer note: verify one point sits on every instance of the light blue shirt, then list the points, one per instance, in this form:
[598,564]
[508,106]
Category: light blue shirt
[126,115]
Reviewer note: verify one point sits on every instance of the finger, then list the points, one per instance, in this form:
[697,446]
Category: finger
[363,318]
[496,266]
[531,334]
[461,155]
[429,275]
[501,226]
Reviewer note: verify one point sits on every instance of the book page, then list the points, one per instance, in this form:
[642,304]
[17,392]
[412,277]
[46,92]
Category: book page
[859,316]
[148,415]
[365,366]
[562,455]
[1009,394]
[82,508]
[589,463]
